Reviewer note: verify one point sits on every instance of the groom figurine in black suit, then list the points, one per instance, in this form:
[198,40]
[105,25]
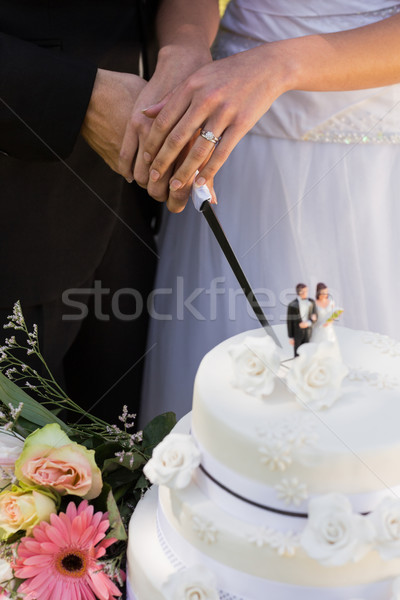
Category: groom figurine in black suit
[301,316]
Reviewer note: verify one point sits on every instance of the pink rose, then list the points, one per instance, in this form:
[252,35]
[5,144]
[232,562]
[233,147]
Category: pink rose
[51,460]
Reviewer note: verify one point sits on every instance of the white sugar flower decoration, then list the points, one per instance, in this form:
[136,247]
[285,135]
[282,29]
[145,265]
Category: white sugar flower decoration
[386,520]
[316,375]
[334,535]
[173,461]
[291,491]
[255,364]
[204,530]
[285,544]
[276,455]
[195,583]
[264,536]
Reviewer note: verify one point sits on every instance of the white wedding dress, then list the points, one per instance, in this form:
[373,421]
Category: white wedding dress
[321,333]
[309,194]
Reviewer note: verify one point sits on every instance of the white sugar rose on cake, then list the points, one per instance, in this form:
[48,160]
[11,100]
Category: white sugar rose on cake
[289,486]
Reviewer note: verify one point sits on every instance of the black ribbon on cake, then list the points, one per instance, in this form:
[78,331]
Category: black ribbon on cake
[278,511]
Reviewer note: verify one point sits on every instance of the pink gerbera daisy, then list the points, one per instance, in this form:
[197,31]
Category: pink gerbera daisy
[61,559]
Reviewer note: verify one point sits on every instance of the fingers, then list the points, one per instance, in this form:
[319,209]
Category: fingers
[228,141]
[152,111]
[129,148]
[219,154]
[137,130]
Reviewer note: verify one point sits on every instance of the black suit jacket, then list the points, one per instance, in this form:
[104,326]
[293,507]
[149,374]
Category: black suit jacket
[299,335]
[59,200]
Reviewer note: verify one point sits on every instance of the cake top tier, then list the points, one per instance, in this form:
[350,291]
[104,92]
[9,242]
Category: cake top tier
[327,421]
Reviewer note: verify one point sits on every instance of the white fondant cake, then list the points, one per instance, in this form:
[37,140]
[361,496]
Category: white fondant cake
[289,485]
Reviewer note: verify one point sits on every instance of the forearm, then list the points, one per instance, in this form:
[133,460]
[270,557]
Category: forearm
[185,33]
[181,22]
[361,58]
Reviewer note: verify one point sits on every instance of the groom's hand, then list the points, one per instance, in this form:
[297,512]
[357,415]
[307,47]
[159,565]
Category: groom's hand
[110,107]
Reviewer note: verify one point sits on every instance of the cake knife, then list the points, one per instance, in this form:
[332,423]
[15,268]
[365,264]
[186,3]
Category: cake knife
[201,199]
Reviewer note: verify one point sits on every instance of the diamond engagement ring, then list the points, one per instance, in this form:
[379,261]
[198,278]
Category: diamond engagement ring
[209,136]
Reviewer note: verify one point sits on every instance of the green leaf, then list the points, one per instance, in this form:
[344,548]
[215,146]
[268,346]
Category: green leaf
[32,411]
[156,430]
[142,483]
[106,451]
[112,463]
[106,501]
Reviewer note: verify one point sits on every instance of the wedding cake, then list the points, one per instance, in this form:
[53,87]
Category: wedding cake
[283,483]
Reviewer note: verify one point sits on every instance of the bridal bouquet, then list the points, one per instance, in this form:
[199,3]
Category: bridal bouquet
[66,490]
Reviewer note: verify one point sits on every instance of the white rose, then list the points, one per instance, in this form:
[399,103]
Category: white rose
[316,375]
[255,363]
[396,589]
[334,535]
[195,583]
[173,461]
[10,449]
[386,520]
[5,571]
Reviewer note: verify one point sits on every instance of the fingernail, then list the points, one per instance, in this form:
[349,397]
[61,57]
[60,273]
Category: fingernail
[147,108]
[214,201]
[128,180]
[154,175]
[200,181]
[175,185]
[146,157]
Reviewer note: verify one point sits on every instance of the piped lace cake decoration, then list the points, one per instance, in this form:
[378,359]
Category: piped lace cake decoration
[382,381]
[283,441]
[291,491]
[383,343]
[284,543]
[205,530]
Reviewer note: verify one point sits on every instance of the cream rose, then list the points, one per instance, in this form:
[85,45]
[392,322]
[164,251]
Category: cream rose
[22,509]
[255,365]
[386,521]
[195,583]
[316,375]
[173,461]
[334,535]
[49,459]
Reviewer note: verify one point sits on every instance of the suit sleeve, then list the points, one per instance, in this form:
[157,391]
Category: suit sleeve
[290,321]
[44,95]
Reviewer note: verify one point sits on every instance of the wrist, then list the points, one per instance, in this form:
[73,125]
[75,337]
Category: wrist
[184,55]
[284,66]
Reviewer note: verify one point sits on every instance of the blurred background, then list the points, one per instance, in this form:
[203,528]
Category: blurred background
[222,5]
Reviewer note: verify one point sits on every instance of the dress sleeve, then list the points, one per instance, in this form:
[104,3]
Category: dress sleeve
[44,96]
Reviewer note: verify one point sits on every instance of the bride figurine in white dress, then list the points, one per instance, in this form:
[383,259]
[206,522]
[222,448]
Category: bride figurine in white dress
[323,330]
[312,187]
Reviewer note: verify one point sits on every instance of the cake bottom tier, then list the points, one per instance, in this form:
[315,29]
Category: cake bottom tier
[151,560]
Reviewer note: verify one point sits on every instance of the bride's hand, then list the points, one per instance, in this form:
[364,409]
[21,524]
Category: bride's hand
[230,95]
[226,97]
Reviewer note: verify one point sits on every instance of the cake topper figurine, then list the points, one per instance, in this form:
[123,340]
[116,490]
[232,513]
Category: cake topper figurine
[301,316]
